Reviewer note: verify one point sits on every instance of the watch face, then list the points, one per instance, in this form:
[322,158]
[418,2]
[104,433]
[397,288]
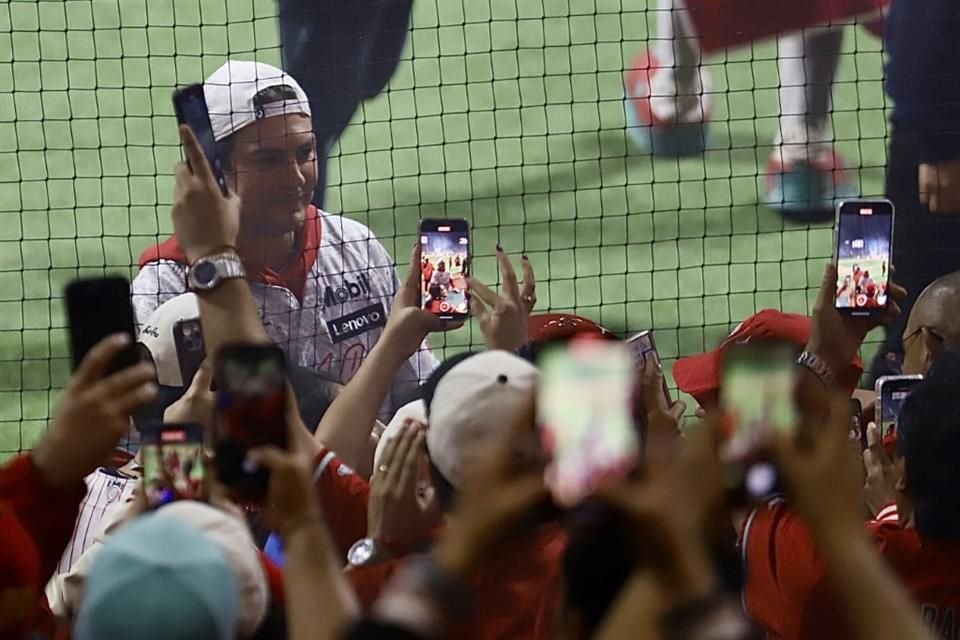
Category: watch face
[361,552]
[204,273]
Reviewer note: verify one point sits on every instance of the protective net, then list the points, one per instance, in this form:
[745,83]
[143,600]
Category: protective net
[510,113]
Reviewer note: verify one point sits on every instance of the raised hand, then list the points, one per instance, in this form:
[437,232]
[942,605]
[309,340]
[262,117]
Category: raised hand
[503,318]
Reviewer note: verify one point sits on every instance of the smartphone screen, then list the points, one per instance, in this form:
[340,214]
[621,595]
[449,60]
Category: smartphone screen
[444,256]
[190,106]
[643,347]
[585,417]
[250,411]
[173,462]
[858,429]
[97,308]
[757,394]
[864,246]
[891,392]
[188,341]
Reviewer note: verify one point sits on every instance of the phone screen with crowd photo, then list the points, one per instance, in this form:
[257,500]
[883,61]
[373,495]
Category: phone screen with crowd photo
[584,406]
[444,259]
[864,249]
[250,411]
[173,462]
[891,392]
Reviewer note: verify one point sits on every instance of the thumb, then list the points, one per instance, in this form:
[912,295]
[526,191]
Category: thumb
[828,291]
[203,378]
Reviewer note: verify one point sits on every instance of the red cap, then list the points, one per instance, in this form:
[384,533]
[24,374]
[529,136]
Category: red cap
[699,375]
[544,327]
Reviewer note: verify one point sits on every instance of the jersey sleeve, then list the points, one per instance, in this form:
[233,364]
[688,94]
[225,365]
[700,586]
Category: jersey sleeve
[343,495]
[782,568]
[156,283]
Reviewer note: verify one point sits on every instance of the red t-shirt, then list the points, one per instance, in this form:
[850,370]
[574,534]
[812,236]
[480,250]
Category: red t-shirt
[788,591]
[343,495]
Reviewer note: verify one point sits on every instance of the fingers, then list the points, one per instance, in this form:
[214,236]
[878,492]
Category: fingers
[411,289]
[269,457]
[482,291]
[478,309]
[405,441]
[133,397]
[94,364]
[678,410]
[386,458]
[195,156]
[529,292]
[651,385]
[411,462]
[202,379]
[510,285]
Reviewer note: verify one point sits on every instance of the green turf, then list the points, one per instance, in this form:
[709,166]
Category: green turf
[507,112]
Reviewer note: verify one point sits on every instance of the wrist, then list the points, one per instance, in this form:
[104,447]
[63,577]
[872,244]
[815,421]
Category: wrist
[301,522]
[204,251]
[398,343]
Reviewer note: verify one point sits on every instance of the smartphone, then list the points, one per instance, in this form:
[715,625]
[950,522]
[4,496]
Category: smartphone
[858,429]
[444,263]
[188,341]
[190,105]
[584,407]
[173,462]
[97,308]
[250,412]
[642,347]
[758,382]
[864,232]
[891,392]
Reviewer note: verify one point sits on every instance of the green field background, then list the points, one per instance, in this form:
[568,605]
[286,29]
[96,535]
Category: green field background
[507,112]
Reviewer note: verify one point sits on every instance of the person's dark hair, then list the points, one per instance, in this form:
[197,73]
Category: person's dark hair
[268,95]
[928,438]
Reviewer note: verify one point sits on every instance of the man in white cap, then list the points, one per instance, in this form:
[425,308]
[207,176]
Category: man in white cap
[323,284]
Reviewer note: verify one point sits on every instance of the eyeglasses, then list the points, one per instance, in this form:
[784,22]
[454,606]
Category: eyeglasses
[895,360]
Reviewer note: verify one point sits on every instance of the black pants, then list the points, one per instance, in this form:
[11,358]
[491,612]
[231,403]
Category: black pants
[342,52]
[925,246]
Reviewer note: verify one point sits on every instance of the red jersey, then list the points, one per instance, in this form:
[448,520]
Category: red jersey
[343,495]
[787,588]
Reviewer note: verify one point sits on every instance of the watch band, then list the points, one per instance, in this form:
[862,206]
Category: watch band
[817,366]
[207,272]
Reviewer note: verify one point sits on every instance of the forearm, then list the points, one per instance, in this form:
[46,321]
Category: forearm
[228,314]
[311,577]
[346,426]
[876,605]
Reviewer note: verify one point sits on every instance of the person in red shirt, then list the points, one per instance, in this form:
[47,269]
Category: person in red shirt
[788,589]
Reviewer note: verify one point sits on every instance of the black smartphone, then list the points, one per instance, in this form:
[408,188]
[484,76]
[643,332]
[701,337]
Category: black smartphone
[758,383]
[444,260]
[858,429]
[173,462]
[250,412]
[891,392]
[97,308]
[190,105]
[188,341]
[864,233]
[643,347]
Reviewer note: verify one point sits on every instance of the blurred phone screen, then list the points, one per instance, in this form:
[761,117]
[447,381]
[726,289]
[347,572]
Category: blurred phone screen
[173,463]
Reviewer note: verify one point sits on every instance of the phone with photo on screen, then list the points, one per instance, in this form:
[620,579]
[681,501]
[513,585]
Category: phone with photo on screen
[864,233]
[757,389]
[250,412]
[891,392]
[584,416]
[173,462]
[643,347]
[444,264]
[190,105]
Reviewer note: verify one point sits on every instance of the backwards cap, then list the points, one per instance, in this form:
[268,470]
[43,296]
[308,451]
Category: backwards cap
[230,92]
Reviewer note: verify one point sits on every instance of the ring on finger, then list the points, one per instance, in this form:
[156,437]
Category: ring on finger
[382,468]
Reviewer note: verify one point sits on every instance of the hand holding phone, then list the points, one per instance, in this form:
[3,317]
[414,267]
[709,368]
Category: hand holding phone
[444,262]
[585,417]
[251,412]
[190,105]
[891,392]
[644,348]
[173,463]
[864,248]
[97,308]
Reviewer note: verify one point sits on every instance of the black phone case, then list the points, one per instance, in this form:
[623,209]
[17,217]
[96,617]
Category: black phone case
[199,127]
[188,341]
[97,308]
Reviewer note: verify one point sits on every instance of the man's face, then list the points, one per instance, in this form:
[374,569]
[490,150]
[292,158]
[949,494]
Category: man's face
[274,171]
[914,350]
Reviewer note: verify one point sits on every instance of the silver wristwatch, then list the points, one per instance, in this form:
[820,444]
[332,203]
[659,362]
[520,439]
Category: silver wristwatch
[206,273]
[817,366]
[363,552]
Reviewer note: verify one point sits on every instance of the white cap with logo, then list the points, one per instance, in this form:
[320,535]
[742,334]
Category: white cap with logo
[156,336]
[229,92]
[473,405]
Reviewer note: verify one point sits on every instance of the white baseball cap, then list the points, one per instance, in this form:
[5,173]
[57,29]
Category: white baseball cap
[229,92]
[473,403]
[156,336]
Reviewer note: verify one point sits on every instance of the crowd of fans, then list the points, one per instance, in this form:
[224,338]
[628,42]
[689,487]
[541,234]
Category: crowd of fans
[410,501]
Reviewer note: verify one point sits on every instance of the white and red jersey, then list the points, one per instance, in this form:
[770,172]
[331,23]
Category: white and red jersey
[326,311]
[105,487]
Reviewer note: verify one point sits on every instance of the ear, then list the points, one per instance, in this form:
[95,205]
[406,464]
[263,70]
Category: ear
[933,347]
[900,469]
